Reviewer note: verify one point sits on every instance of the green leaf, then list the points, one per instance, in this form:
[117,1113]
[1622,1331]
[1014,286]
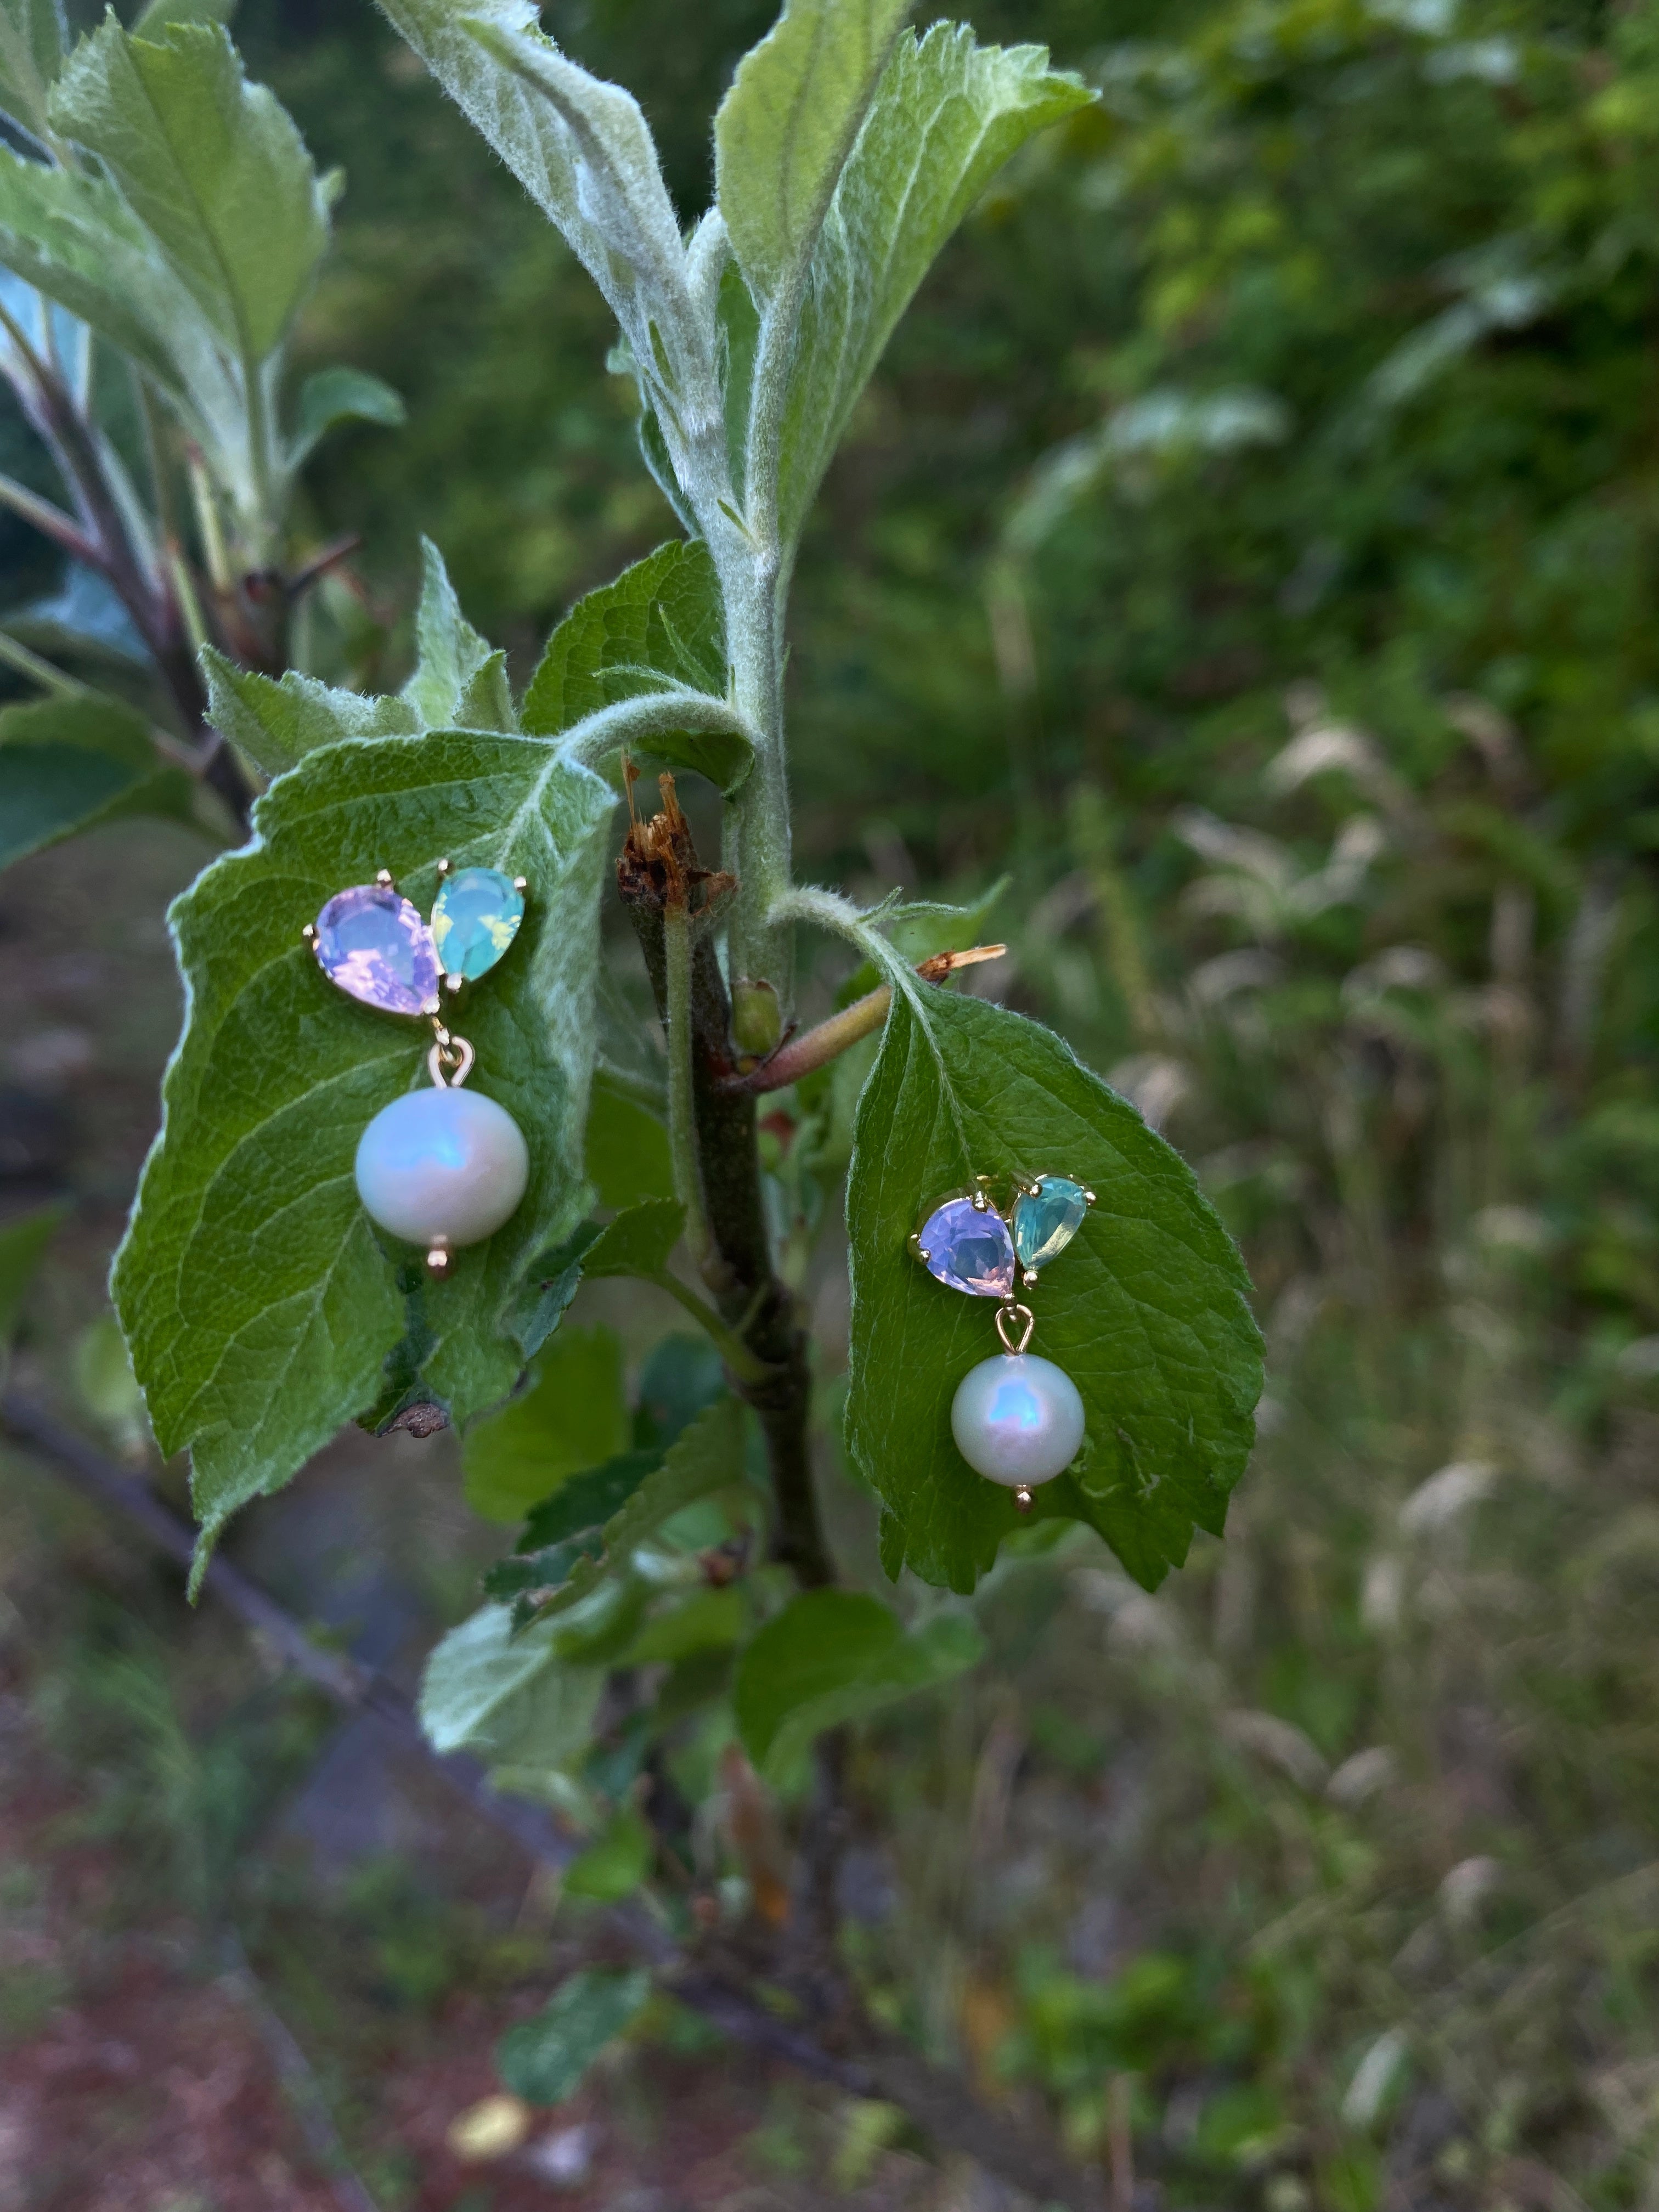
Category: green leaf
[544,2059]
[340,395]
[510,1698]
[573,1414]
[451,655]
[583,151]
[553,1279]
[658,628]
[614,1864]
[946,115]
[32,37]
[638,1242]
[106,1387]
[682,1375]
[587,1500]
[740,331]
[23,1242]
[67,764]
[627,1154]
[75,239]
[707,1455]
[834,1656]
[160,14]
[707,1620]
[1147,1310]
[260,1301]
[211,165]
[786,127]
[276,723]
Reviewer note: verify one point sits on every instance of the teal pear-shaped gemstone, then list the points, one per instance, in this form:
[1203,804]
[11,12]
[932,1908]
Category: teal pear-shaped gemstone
[1047,1218]
[475,918]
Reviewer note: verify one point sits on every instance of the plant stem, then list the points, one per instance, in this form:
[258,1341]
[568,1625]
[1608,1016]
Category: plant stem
[143,590]
[757,838]
[682,1115]
[731,1348]
[658,869]
[16,654]
[819,1046]
[48,518]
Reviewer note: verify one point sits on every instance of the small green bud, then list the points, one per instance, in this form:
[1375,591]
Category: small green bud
[757,1018]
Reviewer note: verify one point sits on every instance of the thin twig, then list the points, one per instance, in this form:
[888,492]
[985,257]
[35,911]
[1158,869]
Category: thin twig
[313,571]
[303,2091]
[16,654]
[816,1047]
[49,518]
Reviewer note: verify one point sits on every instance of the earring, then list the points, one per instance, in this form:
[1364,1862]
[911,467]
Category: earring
[1017,1419]
[443,1167]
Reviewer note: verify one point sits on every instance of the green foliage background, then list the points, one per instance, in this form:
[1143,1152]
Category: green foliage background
[1250,539]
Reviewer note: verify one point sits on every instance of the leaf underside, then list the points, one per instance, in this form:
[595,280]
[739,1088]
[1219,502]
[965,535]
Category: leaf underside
[784,127]
[945,117]
[658,625]
[1146,1310]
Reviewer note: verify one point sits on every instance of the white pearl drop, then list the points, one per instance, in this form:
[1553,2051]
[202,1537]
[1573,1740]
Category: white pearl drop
[442,1167]
[1017,1419]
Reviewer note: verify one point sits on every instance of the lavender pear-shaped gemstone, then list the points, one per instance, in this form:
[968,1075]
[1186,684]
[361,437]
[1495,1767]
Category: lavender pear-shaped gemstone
[375,946]
[969,1250]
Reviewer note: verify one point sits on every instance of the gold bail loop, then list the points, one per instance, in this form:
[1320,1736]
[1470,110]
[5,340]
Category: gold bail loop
[1010,1317]
[450,1061]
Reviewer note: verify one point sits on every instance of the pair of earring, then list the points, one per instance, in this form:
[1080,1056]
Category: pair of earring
[443,1167]
[1017,1419]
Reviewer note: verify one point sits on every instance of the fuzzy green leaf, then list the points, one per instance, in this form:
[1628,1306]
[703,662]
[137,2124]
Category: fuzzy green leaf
[451,655]
[75,239]
[573,1415]
[258,1299]
[67,764]
[32,37]
[946,115]
[834,1656]
[740,331]
[210,164]
[1147,1310]
[276,723]
[543,2060]
[658,628]
[583,151]
[156,19]
[340,395]
[785,128]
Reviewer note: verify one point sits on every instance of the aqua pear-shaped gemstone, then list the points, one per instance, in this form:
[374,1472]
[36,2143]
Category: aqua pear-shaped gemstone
[1047,1218]
[475,918]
